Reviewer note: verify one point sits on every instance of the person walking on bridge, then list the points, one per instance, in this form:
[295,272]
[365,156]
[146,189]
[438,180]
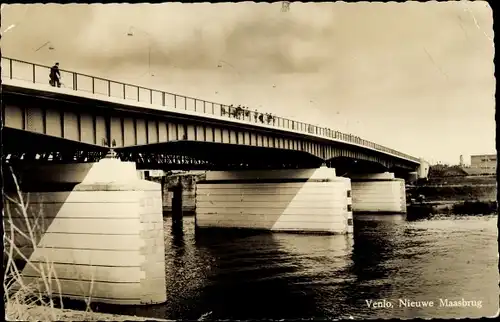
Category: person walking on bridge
[55,76]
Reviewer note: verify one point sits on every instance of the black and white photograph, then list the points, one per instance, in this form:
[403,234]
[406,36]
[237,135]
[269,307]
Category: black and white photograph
[249,161]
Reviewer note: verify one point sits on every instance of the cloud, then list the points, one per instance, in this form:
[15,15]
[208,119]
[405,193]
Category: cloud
[38,23]
[260,39]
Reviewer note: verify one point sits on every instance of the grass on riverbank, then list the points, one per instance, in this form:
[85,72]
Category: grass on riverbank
[38,299]
[40,313]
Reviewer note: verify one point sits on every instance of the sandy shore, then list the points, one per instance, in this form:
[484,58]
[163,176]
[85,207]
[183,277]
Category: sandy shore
[38,313]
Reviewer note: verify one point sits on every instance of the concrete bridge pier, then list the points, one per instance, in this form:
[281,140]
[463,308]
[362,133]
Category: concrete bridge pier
[378,193]
[97,226]
[298,200]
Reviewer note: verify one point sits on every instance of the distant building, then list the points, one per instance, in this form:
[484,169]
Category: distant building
[461,160]
[484,163]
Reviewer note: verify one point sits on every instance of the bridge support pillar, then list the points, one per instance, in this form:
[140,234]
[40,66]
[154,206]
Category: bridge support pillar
[299,200]
[97,226]
[177,206]
[380,192]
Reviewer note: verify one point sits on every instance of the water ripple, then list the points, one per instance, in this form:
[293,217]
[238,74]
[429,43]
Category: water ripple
[248,275]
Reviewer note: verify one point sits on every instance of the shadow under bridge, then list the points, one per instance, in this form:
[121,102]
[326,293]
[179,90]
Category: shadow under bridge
[193,155]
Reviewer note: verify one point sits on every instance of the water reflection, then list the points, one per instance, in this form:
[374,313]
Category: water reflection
[256,279]
[259,275]
[325,261]
[177,234]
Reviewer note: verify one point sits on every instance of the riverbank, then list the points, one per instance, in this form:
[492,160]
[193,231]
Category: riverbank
[428,210]
[463,188]
[17,312]
[459,195]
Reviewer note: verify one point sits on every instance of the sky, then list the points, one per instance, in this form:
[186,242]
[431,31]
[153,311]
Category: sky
[417,77]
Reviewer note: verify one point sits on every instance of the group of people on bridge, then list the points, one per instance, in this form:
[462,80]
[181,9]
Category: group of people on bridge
[242,112]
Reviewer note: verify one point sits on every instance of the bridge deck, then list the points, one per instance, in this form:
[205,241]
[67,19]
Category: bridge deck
[34,77]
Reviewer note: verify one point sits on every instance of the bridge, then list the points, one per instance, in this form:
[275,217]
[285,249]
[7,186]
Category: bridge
[160,130]
[75,151]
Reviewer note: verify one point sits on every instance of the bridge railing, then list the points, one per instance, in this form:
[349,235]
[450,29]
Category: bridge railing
[39,74]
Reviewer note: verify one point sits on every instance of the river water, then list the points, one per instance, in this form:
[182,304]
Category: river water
[242,276]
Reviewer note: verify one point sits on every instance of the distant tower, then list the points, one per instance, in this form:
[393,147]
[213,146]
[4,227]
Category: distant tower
[461,160]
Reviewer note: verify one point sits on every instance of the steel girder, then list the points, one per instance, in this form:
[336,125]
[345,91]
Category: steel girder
[54,157]
[165,161]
